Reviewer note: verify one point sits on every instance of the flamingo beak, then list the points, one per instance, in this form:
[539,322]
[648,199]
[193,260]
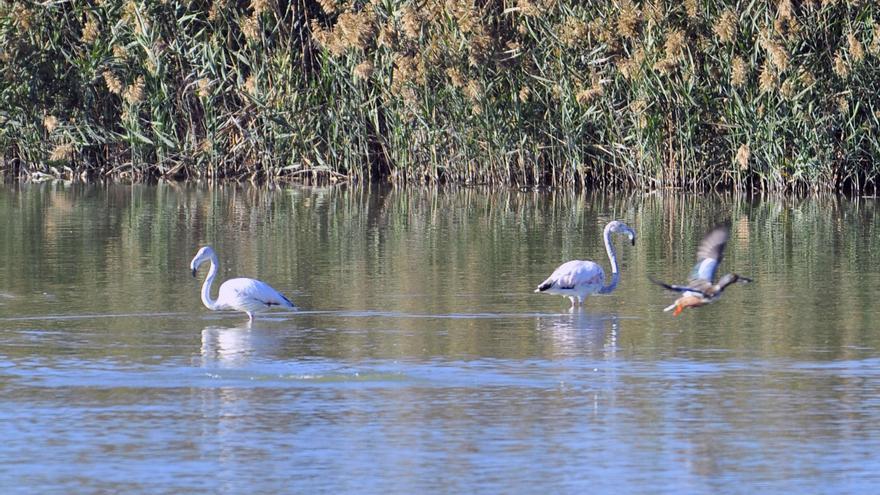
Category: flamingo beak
[194,272]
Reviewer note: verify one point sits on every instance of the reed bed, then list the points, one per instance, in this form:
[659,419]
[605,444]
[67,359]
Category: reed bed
[774,96]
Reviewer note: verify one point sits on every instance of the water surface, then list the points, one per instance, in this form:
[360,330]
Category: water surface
[421,361]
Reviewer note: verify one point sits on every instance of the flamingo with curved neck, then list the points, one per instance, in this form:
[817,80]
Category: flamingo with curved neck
[240,294]
[577,279]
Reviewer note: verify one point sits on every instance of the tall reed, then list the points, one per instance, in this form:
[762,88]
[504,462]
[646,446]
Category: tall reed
[774,95]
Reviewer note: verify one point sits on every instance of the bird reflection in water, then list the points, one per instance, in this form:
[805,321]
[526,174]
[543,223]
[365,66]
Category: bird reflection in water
[580,332]
[237,346]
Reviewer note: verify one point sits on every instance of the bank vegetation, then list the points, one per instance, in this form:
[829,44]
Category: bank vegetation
[767,95]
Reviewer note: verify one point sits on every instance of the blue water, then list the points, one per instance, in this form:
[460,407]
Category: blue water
[421,361]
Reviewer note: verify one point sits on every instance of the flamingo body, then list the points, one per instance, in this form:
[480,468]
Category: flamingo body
[577,279]
[240,294]
[250,295]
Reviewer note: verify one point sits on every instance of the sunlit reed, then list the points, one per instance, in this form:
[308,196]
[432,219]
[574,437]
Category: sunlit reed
[622,93]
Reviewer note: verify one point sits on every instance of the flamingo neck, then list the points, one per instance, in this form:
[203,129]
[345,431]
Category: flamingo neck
[612,256]
[209,280]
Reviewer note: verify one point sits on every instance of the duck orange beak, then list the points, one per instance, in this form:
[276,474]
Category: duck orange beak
[678,310]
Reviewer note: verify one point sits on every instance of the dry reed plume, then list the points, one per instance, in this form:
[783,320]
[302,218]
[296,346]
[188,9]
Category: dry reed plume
[643,93]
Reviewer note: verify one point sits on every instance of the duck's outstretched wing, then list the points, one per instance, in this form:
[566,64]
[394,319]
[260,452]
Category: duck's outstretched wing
[679,288]
[710,253]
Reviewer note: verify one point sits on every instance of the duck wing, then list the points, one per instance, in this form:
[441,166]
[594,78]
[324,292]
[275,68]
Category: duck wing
[699,286]
[709,255]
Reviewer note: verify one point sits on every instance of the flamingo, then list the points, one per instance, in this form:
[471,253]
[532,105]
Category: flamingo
[700,290]
[240,294]
[577,279]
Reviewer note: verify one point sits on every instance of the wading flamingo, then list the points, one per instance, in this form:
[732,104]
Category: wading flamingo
[240,294]
[700,290]
[577,279]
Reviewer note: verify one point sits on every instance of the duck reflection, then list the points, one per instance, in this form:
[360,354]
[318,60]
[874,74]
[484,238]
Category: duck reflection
[578,332]
[237,346]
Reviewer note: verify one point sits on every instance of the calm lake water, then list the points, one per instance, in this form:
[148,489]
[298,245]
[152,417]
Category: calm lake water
[421,361]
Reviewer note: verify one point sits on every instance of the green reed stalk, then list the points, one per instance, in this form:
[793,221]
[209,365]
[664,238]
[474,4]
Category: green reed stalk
[770,96]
